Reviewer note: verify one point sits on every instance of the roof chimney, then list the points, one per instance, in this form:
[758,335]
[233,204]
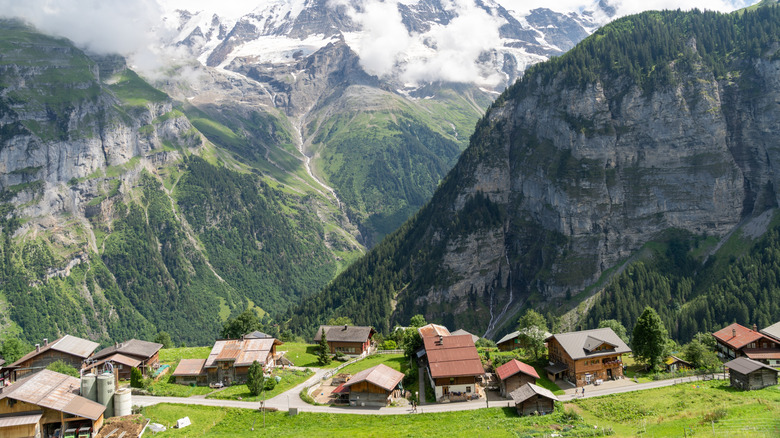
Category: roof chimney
[733,333]
[755,328]
[37,347]
[441,339]
[45,341]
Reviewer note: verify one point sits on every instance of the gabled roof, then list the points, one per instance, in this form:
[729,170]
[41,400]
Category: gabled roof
[579,345]
[257,335]
[21,419]
[773,331]
[55,391]
[461,332]
[242,352]
[454,356]
[509,337]
[345,333]
[744,365]
[381,375]
[513,367]
[118,358]
[433,330]
[737,336]
[67,344]
[529,390]
[190,367]
[674,359]
[133,347]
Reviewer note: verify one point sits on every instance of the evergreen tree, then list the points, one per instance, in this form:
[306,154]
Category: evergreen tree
[649,339]
[255,380]
[323,351]
[136,378]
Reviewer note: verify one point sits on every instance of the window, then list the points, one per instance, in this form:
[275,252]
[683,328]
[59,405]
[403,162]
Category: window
[468,389]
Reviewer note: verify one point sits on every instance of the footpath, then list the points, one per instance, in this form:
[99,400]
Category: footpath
[291,399]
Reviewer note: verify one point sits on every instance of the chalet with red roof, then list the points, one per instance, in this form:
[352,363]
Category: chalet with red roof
[454,367]
[513,375]
[738,341]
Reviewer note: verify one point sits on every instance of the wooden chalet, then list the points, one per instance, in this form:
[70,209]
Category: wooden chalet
[735,341]
[454,366]
[191,371]
[43,402]
[230,359]
[460,332]
[513,340]
[748,374]
[531,399]
[586,356]
[144,352]
[69,349]
[373,387]
[513,375]
[119,364]
[349,340]
[674,363]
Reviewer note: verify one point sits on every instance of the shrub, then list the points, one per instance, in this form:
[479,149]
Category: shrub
[715,416]
[136,378]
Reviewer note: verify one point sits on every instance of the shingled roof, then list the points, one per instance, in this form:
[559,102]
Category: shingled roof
[55,391]
[452,356]
[133,347]
[242,352]
[529,390]
[744,365]
[67,344]
[513,367]
[773,331]
[345,333]
[381,375]
[737,336]
[579,345]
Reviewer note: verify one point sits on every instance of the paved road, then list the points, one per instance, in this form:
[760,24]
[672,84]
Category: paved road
[291,399]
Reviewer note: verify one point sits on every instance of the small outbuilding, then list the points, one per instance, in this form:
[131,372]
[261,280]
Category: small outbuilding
[191,371]
[513,375]
[531,399]
[674,363]
[748,374]
[374,386]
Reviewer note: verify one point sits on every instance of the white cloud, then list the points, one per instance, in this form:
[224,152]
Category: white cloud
[446,52]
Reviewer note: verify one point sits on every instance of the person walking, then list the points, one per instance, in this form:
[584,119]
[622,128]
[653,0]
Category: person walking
[583,391]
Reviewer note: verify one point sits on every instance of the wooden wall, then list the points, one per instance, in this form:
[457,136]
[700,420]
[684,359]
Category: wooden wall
[537,403]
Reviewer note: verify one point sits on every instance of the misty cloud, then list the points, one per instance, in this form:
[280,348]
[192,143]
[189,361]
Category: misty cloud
[446,52]
[101,26]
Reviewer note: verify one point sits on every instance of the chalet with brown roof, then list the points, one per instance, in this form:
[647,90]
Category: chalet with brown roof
[513,375]
[69,349]
[230,359]
[531,399]
[586,356]
[144,352]
[118,364]
[454,367]
[748,374]
[191,371]
[738,341]
[349,340]
[40,403]
[373,387]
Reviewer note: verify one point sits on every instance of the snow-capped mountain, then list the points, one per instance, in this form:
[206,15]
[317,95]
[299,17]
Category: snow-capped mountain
[410,43]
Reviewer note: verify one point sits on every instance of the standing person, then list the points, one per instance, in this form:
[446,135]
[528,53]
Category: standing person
[583,391]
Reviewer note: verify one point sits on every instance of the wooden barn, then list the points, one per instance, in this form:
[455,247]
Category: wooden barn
[531,399]
[144,354]
[69,349]
[42,403]
[748,374]
[230,359]
[191,371]
[374,386]
[513,375]
[349,340]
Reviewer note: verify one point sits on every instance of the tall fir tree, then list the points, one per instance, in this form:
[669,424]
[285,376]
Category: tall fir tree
[323,352]
[650,338]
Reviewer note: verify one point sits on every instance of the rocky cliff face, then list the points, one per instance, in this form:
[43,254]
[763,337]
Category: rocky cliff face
[574,169]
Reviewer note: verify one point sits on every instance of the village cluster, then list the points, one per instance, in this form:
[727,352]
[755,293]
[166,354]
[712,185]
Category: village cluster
[38,402]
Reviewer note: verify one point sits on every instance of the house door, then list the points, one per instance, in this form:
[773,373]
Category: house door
[609,374]
[445,390]
[588,378]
